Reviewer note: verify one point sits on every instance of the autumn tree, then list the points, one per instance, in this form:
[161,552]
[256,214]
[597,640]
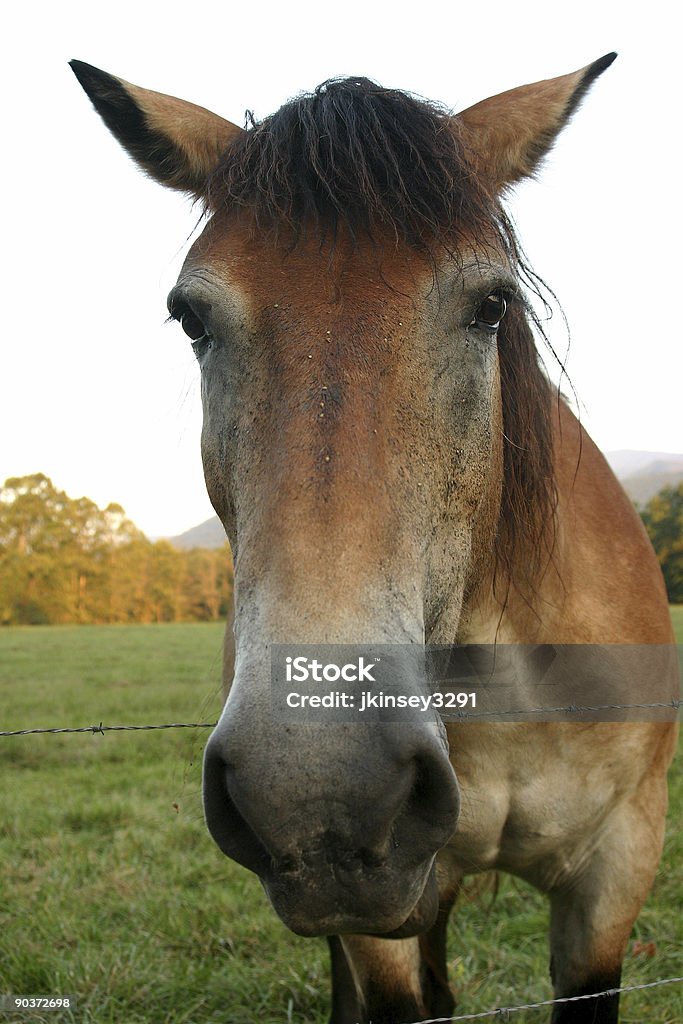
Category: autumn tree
[663,518]
[208,583]
[66,560]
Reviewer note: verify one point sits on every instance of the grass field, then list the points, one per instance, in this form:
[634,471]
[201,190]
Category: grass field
[112,891]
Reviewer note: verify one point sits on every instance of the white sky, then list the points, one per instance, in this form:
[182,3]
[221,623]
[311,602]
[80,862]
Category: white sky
[102,397]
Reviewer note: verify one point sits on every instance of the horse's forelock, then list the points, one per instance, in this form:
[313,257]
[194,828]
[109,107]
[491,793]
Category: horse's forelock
[356,154]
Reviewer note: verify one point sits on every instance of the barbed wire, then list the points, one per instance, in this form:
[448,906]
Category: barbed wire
[674,705]
[503,1012]
[101,728]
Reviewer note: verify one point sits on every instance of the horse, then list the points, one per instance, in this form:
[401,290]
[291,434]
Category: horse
[393,466]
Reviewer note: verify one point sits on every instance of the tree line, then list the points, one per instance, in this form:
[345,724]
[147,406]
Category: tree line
[64,560]
[663,519]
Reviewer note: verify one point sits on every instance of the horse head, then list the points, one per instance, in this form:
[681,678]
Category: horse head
[376,443]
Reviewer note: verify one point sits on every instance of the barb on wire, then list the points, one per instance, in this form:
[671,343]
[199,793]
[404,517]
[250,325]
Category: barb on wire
[503,1012]
[455,716]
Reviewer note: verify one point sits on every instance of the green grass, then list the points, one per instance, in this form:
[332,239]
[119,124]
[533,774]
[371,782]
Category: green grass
[111,889]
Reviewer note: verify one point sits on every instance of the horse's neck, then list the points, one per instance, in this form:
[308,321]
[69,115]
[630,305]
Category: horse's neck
[600,582]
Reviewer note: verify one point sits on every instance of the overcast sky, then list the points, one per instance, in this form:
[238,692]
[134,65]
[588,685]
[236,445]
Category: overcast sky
[101,396]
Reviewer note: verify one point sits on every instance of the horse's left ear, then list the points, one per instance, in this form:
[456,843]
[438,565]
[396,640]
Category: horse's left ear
[508,135]
[176,142]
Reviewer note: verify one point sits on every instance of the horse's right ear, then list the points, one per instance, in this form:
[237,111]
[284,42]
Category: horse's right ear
[177,143]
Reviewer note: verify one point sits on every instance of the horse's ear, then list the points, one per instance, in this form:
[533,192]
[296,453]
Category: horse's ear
[508,135]
[174,141]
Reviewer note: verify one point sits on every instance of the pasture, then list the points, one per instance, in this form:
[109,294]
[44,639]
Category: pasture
[112,891]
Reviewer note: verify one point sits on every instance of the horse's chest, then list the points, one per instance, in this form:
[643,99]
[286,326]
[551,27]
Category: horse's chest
[524,810]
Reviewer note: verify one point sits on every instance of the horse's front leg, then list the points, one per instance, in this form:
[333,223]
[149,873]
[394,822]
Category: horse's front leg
[584,961]
[376,981]
[391,981]
[346,1005]
[592,915]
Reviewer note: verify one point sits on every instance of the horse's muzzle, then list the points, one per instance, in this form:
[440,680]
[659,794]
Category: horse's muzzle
[342,828]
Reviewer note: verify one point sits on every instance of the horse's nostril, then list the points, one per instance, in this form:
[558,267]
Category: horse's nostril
[230,831]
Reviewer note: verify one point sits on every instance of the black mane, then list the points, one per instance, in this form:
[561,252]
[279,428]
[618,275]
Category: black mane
[355,153]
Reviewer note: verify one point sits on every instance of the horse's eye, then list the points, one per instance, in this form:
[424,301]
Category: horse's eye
[192,325]
[491,312]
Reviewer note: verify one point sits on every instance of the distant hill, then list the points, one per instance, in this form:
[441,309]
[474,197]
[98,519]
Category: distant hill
[209,534]
[629,463]
[642,475]
[644,484]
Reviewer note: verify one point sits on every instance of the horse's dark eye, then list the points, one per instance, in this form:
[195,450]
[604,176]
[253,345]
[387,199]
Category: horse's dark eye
[491,312]
[192,326]
[196,332]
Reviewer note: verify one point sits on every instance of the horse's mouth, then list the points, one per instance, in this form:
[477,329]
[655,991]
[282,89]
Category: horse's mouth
[367,904]
[423,915]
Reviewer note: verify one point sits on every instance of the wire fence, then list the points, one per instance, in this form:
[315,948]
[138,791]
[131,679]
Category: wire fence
[102,728]
[460,715]
[505,1012]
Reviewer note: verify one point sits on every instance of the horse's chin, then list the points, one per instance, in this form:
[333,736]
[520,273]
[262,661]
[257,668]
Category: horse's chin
[328,914]
[423,915]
